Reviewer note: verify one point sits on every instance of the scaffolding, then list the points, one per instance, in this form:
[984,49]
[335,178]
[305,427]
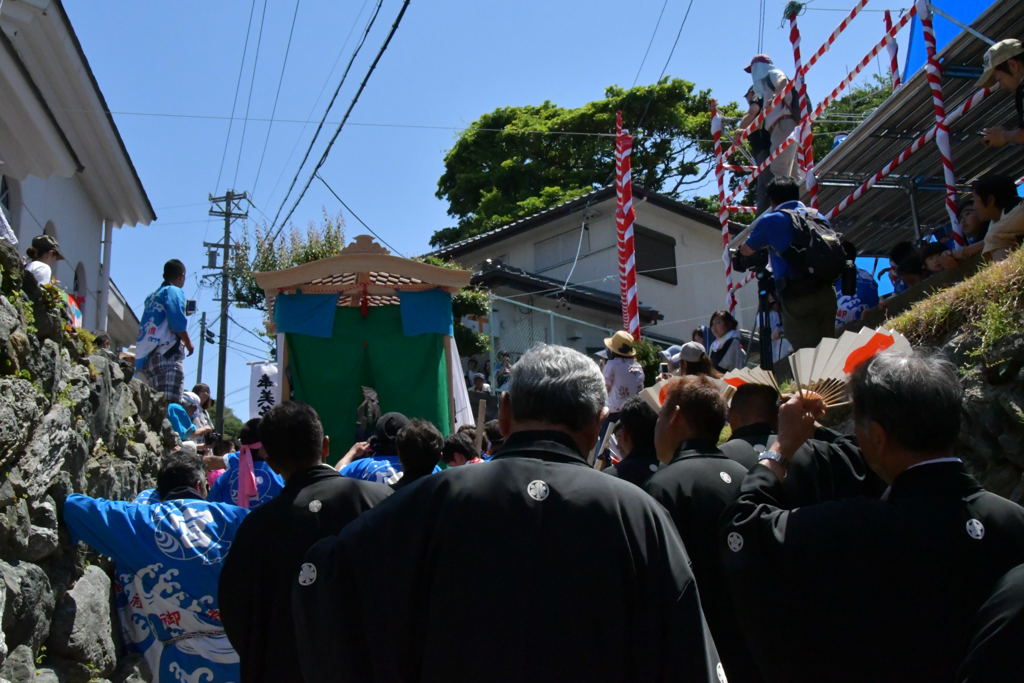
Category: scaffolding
[938,132]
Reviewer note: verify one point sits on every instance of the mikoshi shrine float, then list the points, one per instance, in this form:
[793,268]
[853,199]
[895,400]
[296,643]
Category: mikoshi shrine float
[366,318]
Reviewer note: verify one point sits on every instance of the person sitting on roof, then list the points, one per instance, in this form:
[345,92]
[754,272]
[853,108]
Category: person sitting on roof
[1004,64]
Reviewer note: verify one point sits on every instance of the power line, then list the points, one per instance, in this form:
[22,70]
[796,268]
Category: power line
[676,41]
[348,112]
[277,95]
[246,329]
[319,127]
[657,25]
[354,215]
[234,102]
[323,89]
[252,84]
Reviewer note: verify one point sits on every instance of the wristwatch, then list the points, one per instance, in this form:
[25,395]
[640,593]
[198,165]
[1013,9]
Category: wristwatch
[774,456]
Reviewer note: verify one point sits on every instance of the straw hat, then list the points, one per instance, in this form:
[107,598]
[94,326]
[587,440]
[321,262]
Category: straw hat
[621,344]
[996,55]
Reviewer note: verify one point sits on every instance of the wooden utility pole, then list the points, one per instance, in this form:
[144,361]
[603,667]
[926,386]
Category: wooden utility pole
[230,207]
[202,343]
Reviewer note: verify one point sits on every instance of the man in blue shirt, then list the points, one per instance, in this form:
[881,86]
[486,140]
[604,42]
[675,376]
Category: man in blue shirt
[163,335]
[808,306]
[168,556]
[383,466]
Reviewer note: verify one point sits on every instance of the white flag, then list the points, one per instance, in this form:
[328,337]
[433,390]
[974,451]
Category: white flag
[264,389]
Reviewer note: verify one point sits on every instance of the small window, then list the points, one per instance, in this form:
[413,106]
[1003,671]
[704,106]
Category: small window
[560,249]
[655,255]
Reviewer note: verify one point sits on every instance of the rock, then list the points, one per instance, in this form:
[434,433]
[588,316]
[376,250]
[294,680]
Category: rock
[133,669]
[49,676]
[81,629]
[28,606]
[20,665]
[19,413]
[15,525]
[54,446]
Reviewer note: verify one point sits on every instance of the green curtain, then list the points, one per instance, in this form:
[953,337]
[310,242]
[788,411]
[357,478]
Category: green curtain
[410,374]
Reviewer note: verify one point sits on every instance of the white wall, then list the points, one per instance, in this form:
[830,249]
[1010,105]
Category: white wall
[77,226]
[686,305]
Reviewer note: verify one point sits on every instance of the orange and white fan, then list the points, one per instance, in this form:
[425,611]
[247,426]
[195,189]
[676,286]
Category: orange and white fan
[654,395]
[825,369]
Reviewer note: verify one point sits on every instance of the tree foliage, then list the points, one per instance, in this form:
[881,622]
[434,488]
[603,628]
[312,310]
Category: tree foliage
[256,254]
[515,161]
[843,115]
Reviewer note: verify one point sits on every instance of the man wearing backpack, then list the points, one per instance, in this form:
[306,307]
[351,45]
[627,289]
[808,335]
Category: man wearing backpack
[806,258]
[781,121]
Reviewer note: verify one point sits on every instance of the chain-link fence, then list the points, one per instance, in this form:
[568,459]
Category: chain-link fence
[515,327]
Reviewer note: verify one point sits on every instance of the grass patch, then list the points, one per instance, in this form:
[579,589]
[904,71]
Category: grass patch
[988,305]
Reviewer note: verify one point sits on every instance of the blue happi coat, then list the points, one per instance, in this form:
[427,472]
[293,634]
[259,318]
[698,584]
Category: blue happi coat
[168,558]
[225,490]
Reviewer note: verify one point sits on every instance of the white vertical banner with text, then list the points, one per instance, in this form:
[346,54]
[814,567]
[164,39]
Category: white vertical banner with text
[264,389]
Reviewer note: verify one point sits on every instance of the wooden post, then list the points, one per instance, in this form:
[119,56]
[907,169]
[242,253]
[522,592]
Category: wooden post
[481,417]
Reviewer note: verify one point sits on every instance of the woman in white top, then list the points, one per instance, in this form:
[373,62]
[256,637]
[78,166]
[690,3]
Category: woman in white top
[43,255]
[623,374]
[726,351]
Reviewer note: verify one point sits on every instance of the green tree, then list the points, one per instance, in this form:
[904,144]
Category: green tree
[232,425]
[846,112]
[256,254]
[515,161]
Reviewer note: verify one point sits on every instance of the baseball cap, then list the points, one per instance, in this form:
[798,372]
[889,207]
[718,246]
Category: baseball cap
[761,58]
[671,352]
[44,243]
[691,352]
[994,56]
[385,433]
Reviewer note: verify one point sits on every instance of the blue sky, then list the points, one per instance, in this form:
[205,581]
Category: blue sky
[169,72]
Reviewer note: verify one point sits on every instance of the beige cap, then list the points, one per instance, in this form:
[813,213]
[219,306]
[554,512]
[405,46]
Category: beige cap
[996,55]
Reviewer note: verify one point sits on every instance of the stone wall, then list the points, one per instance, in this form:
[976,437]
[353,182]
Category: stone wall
[70,421]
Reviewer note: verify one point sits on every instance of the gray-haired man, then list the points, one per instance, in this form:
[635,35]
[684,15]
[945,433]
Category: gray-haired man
[561,572]
[871,590]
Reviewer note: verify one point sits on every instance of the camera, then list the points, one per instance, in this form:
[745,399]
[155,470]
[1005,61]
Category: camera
[756,261]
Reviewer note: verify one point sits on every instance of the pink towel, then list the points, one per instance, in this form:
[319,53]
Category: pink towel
[247,474]
[212,476]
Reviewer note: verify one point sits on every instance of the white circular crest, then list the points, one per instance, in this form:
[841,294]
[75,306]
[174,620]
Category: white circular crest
[653,467]
[725,477]
[315,506]
[734,541]
[975,529]
[307,574]
[537,489]
[720,672]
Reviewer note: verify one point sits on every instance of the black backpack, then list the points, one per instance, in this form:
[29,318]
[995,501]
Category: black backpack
[816,253]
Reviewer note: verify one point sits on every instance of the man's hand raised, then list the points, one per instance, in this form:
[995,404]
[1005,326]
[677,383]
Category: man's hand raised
[796,421]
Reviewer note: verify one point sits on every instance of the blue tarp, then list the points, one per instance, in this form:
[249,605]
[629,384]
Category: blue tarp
[964,11]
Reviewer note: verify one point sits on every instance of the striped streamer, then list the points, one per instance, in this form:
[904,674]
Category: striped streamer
[805,150]
[934,73]
[624,218]
[894,54]
[723,208]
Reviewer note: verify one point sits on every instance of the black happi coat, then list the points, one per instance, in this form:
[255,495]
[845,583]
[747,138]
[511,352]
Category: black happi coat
[263,563]
[696,487]
[997,634]
[636,469]
[500,572]
[867,590]
[747,443]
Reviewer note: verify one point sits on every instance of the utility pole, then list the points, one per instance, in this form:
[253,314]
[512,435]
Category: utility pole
[230,207]
[202,343]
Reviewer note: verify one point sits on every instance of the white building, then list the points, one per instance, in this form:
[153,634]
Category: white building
[64,169]
[680,278]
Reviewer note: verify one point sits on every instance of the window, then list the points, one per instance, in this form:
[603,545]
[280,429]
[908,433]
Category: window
[655,255]
[559,249]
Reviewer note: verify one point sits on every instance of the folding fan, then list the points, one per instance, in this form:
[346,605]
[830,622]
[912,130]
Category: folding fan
[825,369]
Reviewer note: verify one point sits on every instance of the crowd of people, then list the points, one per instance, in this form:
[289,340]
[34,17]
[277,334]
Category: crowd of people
[787,552]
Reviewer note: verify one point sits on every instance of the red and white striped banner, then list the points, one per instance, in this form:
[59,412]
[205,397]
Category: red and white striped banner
[894,54]
[723,206]
[917,144]
[624,219]
[805,150]
[934,73]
